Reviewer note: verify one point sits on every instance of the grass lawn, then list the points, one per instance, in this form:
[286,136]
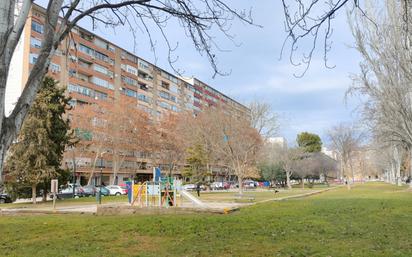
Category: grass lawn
[223,196]
[369,220]
[68,202]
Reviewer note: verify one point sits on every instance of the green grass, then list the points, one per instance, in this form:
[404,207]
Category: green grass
[369,220]
[68,202]
[221,196]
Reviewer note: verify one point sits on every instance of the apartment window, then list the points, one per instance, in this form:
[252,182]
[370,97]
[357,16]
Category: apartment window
[144,98]
[101,43]
[86,36]
[164,95]
[34,42]
[100,95]
[143,65]
[174,89]
[173,98]
[174,108]
[131,70]
[144,75]
[165,85]
[82,90]
[86,49]
[103,70]
[164,105]
[84,64]
[102,83]
[101,56]
[143,87]
[33,58]
[39,28]
[54,67]
[129,81]
[131,93]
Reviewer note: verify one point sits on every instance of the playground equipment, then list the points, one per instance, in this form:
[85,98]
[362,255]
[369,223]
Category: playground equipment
[161,192]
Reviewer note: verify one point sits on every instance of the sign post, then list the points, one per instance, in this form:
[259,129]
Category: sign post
[53,190]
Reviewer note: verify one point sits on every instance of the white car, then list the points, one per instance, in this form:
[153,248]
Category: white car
[116,190]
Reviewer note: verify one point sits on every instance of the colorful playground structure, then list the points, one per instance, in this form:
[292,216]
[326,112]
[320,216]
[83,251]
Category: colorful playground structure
[161,192]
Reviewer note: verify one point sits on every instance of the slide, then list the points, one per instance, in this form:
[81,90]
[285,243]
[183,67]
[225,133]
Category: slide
[191,198]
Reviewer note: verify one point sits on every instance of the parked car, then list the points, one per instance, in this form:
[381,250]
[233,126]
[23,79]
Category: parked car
[116,190]
[189,187]
[104,190]
[89,190]
[217,186]
[5,198]
[67,192]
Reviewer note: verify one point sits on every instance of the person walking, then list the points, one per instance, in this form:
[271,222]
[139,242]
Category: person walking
[198,189]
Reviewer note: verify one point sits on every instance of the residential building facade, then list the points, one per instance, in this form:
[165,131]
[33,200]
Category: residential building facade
[94,71]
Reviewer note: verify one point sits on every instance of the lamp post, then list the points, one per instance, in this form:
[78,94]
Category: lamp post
[101,177]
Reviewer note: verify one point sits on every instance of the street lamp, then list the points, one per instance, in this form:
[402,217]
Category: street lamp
[101,177]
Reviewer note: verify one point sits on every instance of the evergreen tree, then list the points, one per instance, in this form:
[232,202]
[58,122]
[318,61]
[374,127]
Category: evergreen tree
[309,142]
[35,158]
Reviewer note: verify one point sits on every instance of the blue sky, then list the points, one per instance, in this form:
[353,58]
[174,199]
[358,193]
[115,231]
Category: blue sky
[312,103]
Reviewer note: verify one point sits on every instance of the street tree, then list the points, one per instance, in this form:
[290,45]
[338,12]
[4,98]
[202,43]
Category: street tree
[36,156]
[200,20]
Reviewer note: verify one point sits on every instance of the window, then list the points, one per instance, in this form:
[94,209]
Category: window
[174,108]
[143,87]
[174,89]
[164,95]
[37,27]
[81,90]
[34,42]
[129,81]
[100,95]
[165,85]
[144,98]
[86,49]
[101,43]
[87,91]
[143,65]
[144,75]
[103,70]
[54,67]
[129,69]
[102,83]
[33,58]
[131,93]
[164,105]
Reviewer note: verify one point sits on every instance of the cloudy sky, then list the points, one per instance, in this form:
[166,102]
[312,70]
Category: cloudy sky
[312,103]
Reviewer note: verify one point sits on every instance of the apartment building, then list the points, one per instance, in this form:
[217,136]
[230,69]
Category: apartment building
[95,70]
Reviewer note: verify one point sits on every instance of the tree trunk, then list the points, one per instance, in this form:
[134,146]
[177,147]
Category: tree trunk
[240,181]
[410,168]
[288,180]
[33,193]
[303,183]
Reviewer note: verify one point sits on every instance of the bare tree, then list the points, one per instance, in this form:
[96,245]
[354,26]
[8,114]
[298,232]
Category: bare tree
[346,139]
[199,19]
[263,119]
[386,76]
[290,160]
[234,142]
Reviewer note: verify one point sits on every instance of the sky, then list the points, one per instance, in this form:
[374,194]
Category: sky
[312,103]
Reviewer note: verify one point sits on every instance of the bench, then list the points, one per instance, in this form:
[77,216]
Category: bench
[242,197]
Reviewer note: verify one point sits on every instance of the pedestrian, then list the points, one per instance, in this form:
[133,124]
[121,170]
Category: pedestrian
[198,189]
